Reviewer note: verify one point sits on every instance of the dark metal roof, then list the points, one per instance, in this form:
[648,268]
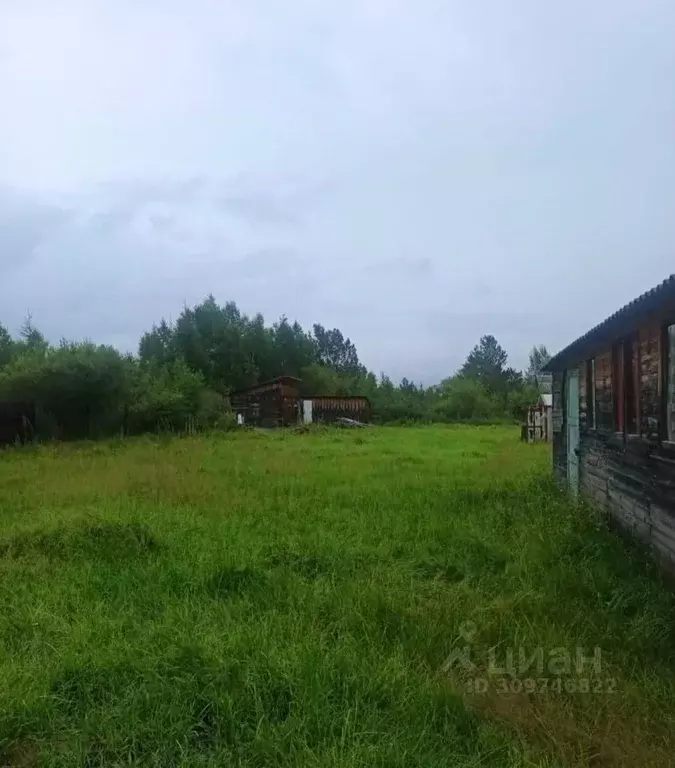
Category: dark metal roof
[621,322]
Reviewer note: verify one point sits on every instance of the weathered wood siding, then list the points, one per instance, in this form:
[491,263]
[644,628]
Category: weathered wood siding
[537,428]
[277,404]
[635,485]
[583,397]
[270,408]
[650,383]
[328,409]
[631,476]
[269,404]
[261,409]
[604,407]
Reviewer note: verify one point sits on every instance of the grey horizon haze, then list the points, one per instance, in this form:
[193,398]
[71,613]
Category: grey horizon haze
[417,174]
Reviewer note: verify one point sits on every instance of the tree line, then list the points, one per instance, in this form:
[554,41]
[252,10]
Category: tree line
[183,372]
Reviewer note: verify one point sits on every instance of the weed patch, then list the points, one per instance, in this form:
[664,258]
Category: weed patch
[449,574]
[100,541]
[307,566]
[233,582]
[296,601]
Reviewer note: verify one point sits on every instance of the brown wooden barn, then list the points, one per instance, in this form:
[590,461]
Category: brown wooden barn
[278,403]
[271,403]
[614,417]
[330,409]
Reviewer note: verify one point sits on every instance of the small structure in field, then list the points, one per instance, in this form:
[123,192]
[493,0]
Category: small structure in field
[271,403]
[538,427]
[614,417]
[278,403]
[331,409]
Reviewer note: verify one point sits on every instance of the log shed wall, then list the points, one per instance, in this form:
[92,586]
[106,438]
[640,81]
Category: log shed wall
[626,464]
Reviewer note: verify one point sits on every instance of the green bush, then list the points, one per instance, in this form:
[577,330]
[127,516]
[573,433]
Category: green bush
[87,391]
[80,390]
[463,399]
[165,398]
[184,370]
[214,412]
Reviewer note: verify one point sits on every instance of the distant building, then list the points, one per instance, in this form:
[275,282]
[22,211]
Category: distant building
[538,423]
[614,417]
[278,403]
[271,403]
[328,409]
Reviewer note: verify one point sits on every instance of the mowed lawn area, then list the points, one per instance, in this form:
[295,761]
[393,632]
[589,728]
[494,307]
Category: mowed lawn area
[332,598]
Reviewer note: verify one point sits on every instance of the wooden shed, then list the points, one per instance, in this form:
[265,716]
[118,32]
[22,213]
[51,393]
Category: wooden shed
[614,417]
[329,409]
[538,423]
[271,403]
[278,403]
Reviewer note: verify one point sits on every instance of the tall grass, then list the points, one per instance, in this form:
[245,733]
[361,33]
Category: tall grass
[297,599]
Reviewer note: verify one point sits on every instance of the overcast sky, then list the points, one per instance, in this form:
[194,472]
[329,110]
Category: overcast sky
[415,172]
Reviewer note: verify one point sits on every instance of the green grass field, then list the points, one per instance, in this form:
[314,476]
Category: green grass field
[297,599]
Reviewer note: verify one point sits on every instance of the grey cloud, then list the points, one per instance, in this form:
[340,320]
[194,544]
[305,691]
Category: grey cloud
[414,173]
[137,192]
[254,202]
[111,220]
[25,224]
[162,223]
[268,260]
[260,209]
[272,200]
[411,267]
[482,288]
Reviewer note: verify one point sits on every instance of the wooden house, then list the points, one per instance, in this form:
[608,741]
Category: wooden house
[614,417]
[278,403]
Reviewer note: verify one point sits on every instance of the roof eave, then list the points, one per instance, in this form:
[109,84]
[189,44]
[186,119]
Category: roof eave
[615,326]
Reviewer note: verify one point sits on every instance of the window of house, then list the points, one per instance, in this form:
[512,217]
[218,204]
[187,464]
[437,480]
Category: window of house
[670,382]
[626,385]
[590,393]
